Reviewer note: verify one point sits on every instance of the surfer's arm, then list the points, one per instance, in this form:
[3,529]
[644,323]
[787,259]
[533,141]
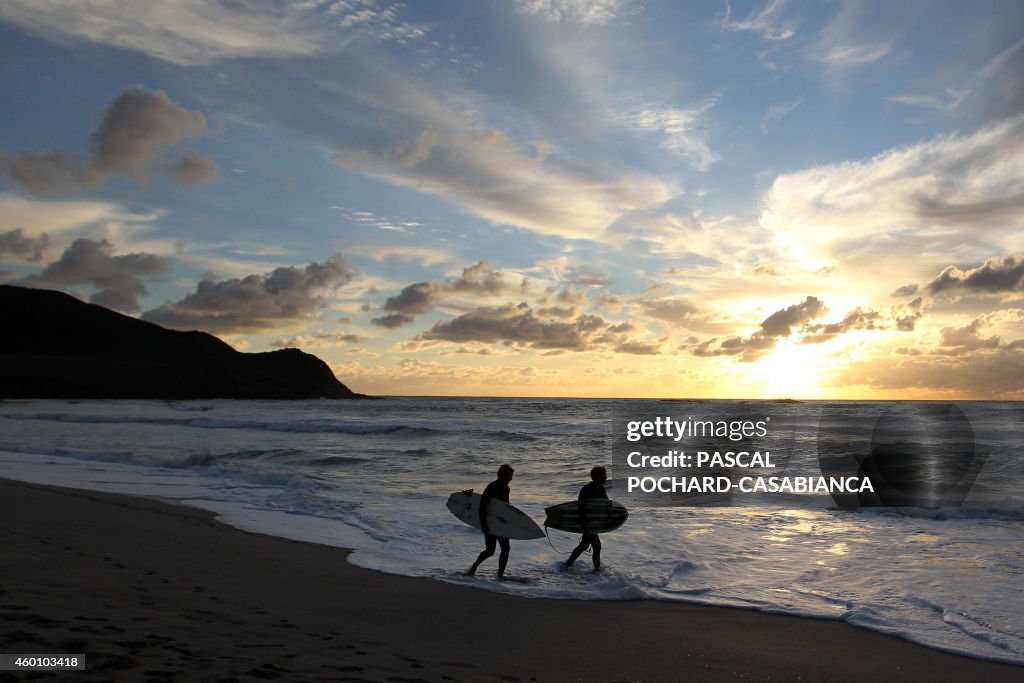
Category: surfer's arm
[484,501]
[581,508]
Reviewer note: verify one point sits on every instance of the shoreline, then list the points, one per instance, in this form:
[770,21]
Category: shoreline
[149,590]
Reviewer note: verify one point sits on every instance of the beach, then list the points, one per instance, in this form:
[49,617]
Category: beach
[149,591]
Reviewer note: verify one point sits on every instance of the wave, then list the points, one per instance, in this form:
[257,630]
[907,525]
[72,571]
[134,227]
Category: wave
[294,426]
[198,418]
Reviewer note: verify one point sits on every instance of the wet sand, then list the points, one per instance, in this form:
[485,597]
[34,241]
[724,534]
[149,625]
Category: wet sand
[156,592]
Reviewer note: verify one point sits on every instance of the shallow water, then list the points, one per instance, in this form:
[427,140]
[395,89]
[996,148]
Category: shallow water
[375,475]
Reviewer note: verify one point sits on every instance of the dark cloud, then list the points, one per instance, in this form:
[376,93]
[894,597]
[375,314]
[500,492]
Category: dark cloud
[854,320]
[137,128]
[968,338]
[558,312]
[477,280]
[193,169]
[777,325]
[781,323]
[15,243]
[51,171]
[132,135]
[520,326]
[418,297]
[568,296]
[117,279]
[638,348]
[750,349]
[906,323]
[515,325]
[255,302]
[392,320]
[995,276]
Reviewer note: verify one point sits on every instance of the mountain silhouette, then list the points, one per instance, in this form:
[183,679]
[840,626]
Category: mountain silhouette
[55,346]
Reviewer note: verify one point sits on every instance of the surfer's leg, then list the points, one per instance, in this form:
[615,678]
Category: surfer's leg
[489,542]
[503,557]
[595,543]
[578,550]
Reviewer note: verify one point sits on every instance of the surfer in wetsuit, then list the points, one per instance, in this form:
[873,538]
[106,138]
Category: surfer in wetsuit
[499,490]
[592,491]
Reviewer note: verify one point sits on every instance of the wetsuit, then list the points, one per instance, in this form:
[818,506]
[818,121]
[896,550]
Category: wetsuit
[592,491]
[498,490]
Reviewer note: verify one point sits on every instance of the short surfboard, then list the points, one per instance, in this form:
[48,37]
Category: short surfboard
[601,516]
[503,519]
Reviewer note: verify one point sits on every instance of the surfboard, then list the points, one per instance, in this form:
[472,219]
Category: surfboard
[502,519]
[602,515]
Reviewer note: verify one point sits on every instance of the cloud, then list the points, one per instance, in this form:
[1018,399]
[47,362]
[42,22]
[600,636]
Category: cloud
[777,112]
[855,54]
[17,243]
[191,34]
[995,276]
[777,325]
[858,35]
[117,279]
[965,362]
[137,127]
[416,298]
[907,323]
[392,320]
[318,340]
[768,21]
[425,256]
[856,319]
[519,326]
[60,217]
[953,194]
[967,338]
[597,12]
[477,280]
[193,169]
[498,178]
[134,133]
[996,92]
[679,129]
[49,171]
[781,323]
[984,374]
[677,312]
[255,303]
[561,269]
[558,312]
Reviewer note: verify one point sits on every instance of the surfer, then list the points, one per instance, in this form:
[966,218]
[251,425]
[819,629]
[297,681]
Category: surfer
[592,491]
[499,490]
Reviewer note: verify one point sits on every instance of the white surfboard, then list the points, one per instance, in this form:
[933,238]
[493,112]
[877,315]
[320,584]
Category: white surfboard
[502,519]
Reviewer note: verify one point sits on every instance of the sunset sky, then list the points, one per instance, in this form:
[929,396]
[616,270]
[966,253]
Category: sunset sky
[537,197]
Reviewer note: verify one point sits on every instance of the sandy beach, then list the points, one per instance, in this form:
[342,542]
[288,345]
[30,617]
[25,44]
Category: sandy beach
[149,591]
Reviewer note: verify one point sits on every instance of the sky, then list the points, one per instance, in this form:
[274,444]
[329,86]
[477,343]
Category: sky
[713,199]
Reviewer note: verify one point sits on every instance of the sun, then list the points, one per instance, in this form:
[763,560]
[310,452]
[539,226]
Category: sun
[789,371]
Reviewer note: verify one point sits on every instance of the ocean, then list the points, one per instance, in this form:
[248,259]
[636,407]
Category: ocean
[940,562]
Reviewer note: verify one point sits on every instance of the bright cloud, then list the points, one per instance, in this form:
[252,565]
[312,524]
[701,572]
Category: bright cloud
[197,33]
